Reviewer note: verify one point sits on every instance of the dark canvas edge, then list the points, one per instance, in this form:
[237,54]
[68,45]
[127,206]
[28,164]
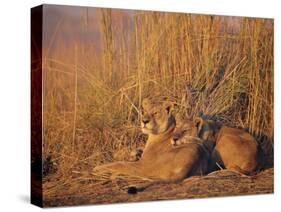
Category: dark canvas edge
[36,105]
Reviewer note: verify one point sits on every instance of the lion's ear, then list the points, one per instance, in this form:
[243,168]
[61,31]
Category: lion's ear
[168,105]
[198,123]
[146,103]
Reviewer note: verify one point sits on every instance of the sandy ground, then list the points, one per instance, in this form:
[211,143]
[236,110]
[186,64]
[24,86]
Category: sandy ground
[85,188]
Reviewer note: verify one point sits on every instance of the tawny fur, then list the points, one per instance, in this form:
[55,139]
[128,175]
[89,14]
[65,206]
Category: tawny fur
[234,149]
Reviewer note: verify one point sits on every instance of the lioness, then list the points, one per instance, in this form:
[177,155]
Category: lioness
[160,160]
[234,149]
[159,123]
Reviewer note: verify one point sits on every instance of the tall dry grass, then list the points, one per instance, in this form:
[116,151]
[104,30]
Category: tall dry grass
[221,66]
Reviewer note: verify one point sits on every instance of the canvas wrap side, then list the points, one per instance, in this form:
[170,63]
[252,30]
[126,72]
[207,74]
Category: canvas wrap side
[36,105]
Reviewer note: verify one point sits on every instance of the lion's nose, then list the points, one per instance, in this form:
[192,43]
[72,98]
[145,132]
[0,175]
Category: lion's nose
[145,121]
[176,137]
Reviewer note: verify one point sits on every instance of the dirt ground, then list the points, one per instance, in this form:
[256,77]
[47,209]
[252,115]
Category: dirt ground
[85,188]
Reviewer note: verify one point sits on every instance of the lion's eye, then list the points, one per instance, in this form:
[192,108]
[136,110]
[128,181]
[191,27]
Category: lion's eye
[186,130]
[155,113]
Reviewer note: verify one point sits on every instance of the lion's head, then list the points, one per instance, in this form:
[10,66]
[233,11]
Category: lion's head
[186,130]
[197,128]
[157,117]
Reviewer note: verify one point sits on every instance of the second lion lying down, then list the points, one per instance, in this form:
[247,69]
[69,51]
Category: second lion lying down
[232,148]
